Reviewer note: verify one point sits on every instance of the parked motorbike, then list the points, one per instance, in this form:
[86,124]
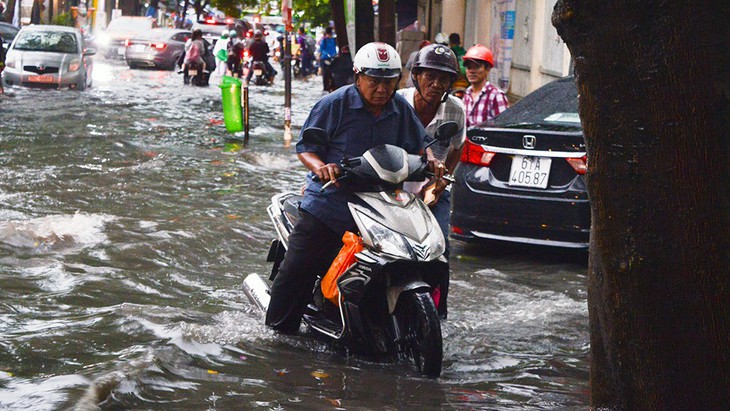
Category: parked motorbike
[383,306]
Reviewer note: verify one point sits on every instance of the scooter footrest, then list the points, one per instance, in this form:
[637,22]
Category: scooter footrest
[323,324]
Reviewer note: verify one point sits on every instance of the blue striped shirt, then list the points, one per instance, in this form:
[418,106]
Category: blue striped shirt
[353,130]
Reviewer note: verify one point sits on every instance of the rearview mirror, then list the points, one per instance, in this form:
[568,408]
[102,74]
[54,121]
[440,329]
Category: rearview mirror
[315,135]
[446,130]
[89,52]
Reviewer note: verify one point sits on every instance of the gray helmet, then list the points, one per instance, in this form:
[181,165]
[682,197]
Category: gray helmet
[436,57]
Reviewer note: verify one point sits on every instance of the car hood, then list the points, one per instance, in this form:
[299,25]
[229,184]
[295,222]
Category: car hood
[35,58]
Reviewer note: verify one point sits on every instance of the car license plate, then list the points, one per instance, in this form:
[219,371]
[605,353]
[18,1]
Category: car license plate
[192,72]
[41,79]
[138,48]
[258,72]
[529,171]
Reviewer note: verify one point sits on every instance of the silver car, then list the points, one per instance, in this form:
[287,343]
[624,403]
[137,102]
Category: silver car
[49,57]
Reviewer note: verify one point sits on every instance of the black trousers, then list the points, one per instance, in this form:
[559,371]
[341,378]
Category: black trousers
[312,248]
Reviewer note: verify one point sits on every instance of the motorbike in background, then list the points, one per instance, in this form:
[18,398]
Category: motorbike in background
[380,300]
[259,77]
[194,73]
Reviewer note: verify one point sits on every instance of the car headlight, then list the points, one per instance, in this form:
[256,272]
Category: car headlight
[74,65]
[385,239]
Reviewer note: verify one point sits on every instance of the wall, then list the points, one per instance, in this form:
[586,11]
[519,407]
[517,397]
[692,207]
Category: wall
[538,54]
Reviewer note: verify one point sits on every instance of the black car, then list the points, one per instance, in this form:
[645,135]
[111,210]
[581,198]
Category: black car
[521,176]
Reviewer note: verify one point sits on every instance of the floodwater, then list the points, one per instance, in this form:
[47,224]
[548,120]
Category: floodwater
[129,218]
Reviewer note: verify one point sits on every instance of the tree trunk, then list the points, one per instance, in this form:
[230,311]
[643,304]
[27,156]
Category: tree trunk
[338,15]
[386,21]
[365,25]
[654,84]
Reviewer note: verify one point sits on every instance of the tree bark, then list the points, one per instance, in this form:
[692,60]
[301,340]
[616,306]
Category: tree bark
[338,15]
[386,21]
[654,85]
[365,24]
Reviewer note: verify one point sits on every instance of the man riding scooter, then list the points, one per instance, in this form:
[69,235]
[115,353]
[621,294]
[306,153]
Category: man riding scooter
[355,119]
[260,53]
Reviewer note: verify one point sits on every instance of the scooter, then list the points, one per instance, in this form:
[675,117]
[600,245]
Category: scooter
[383,305]
[260,77]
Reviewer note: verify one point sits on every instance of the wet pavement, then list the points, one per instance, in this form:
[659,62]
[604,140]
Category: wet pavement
[129,218]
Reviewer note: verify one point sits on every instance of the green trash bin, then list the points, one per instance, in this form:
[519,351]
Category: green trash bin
[232,114]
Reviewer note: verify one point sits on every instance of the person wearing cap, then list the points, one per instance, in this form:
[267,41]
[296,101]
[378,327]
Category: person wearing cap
[235,54]
[434,70]
[260,52]
[220,51]
[483,100]
[355,118]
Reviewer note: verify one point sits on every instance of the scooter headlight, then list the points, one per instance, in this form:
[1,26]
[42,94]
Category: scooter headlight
[384,239]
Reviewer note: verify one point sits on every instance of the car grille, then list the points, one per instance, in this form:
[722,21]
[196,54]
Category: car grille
[41,70]
[41,85]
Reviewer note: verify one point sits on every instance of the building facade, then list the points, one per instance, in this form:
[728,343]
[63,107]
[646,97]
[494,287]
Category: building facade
[520,33]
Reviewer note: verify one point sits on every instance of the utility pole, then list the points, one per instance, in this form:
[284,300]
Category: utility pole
[286,12]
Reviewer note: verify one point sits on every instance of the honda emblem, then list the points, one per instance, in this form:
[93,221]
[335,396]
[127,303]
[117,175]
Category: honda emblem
[529,142]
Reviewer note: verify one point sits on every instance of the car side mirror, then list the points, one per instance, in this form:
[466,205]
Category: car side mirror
[315,135]
[89,52]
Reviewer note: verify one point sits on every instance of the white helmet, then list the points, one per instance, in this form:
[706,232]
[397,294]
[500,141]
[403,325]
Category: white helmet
[377,60]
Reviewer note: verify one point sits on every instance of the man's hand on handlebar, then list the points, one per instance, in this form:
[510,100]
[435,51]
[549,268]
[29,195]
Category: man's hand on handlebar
[434,165]
[327,172]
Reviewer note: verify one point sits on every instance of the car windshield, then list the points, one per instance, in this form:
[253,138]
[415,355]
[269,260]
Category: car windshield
[128,24]
[154,35]
[52,41]
[553,106]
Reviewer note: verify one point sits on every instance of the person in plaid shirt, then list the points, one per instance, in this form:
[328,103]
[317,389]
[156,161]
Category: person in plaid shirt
[482,100]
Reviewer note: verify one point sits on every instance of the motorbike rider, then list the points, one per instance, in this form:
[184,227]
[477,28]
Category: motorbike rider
[235,54]
[434,70]
[194,50]
[355,118]
[260,52]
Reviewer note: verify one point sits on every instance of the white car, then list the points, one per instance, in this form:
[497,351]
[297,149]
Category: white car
[112,41]
[49,57]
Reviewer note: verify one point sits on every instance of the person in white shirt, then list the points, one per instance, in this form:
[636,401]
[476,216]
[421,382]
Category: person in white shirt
[433,72]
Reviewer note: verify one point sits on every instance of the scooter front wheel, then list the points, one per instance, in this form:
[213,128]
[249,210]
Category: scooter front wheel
[420,332]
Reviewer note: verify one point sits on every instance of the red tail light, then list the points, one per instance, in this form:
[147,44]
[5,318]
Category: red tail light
[210,21]
[158,46]
[245,54]
[580,165]
[127,43]
[457,230]
[476,154]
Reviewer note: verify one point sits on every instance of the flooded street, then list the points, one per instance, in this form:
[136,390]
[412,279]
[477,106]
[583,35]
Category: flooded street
[128,221]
